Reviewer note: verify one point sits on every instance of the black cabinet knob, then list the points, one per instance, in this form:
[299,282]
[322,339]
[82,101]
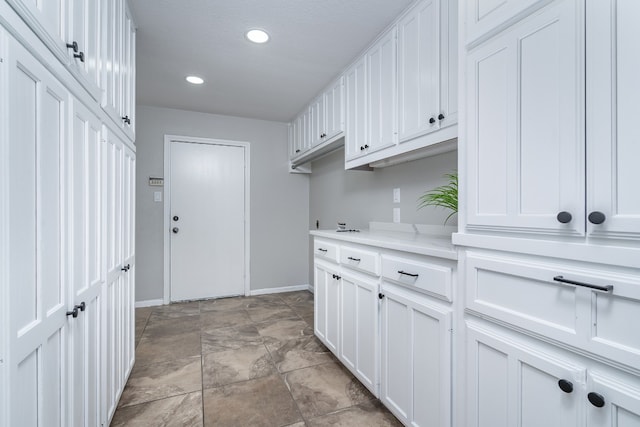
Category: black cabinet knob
[82,306]
[564,217]
[381,295]
[596,217]
[175,230]
[432,120]
[596,399]
[297,151]
[366,145]
[176,217]
[73,46]
[440,116]
[361,147]
[127,120]
[565,386]
[80,56]
[73,313]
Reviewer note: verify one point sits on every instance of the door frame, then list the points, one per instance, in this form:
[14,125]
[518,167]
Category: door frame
[168,139]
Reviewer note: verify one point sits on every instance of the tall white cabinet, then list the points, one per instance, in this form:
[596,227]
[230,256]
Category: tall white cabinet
[550,225]
[66,217]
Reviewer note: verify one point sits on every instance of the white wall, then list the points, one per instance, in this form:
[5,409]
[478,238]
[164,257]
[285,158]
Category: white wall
[279,200]
[357,197]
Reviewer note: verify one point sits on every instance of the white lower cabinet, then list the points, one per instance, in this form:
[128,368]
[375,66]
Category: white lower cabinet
[416,357]
[358,348]
[327,294]
[514,380]
[395,337]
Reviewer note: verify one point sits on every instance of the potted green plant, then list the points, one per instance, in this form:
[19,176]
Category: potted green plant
[445,196]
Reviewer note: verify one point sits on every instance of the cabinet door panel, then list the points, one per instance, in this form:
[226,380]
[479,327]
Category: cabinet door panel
[37,332]
[622,402]
[356,110]
[359,328]
[512,385]
[418,70]
[525,126]
[613,66]
[416,357]
[381,81]
[333,97]
[86,156]
[327,309]
[84,26]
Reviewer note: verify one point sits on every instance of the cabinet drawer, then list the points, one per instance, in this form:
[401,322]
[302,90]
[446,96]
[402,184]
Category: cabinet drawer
[326,250]
[358,259]
[524,293]
[426,276]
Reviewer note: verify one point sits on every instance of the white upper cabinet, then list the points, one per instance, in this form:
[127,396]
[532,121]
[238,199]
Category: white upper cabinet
[316,120]
[71,30]
[334,110]
[427,69]
[527,150]
[84,38]
[382,93]
[118,64]
[524,127]
[613,135]
[355,109]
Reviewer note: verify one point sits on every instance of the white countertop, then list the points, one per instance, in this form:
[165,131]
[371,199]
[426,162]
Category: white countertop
[423,243]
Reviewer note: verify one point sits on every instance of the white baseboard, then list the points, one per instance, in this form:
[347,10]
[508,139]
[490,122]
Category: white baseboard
[282,289]
[149,303]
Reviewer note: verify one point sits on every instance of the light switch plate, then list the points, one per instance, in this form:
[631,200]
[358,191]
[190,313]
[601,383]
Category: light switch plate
[157,196]
[396,195]
[396,214]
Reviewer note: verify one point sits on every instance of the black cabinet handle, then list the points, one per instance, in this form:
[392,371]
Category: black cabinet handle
[335,276]
[440,116]
[175,230]
[361,147]
[596,217]
[564,217]
[126,267]
[407,274]
[74,312]
[354,259]
[297,151]
[73,45]
[380,295]
[176,217]
[82,306]
[80,56]
[566,386]
[322,250]
[366,145]
[432,120]
[606,288]
[596,399]
[127,120]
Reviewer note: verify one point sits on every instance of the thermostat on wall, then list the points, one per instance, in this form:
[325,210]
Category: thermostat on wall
[156,182]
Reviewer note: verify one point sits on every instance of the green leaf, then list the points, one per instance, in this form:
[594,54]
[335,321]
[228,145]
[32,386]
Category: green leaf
[445,196]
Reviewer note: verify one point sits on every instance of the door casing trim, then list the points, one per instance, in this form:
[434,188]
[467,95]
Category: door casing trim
[168,139]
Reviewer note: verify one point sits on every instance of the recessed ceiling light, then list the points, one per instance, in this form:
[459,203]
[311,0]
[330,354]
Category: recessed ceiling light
[195,80]
[257,36]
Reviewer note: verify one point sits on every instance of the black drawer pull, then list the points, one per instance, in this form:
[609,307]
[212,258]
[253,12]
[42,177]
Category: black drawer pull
[380,295]
[354,259]
[596,399]
[566,386]
[322,250]
[407,274]
[606,288]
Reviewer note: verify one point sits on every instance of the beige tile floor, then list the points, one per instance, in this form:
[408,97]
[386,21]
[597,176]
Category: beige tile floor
[240,362]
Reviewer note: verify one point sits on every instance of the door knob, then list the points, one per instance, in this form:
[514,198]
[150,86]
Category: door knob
[564,217]
[596,399]
[596,217]
[176,217]
[175,230]
[565,386]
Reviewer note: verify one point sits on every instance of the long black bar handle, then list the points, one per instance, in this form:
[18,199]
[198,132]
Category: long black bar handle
[606,288]
[322,250]
[407,274]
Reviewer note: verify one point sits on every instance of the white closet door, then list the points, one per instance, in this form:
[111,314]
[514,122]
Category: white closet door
[37,294]
[85,265]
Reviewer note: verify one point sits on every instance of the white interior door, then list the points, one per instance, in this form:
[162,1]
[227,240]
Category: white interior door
[207,220]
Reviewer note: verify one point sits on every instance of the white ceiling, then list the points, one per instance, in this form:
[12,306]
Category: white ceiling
[311,42]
